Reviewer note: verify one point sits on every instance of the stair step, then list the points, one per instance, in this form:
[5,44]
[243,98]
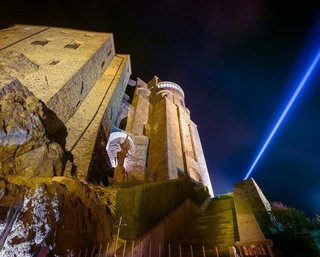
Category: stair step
[217,227]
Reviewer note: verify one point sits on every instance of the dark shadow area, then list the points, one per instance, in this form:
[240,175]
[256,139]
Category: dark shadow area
[130,92]
[55,127]
[100,167]
[123,123]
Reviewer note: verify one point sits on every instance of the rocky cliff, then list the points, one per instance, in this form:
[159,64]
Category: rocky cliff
[26,146]
[38,206]
[62,214]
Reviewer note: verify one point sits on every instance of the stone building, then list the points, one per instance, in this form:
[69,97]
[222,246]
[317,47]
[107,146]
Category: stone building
[81,82]
[78,78]
[165,142]
[65,116]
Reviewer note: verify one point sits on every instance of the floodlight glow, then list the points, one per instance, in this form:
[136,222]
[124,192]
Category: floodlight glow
[284,113]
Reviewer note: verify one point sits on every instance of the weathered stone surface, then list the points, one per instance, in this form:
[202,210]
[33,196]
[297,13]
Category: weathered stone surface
[161,115]
[63,214]
[157,156]
[141,105]
[25,148]
[14,64]
[78,77]
[98,109]
[42,161]
[136,162]
[43,59]
[119,174]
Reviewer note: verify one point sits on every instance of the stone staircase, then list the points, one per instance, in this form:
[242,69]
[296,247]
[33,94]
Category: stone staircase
[214,230]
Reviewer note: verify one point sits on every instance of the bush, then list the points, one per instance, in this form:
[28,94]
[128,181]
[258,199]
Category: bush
[279,206]
[292,220]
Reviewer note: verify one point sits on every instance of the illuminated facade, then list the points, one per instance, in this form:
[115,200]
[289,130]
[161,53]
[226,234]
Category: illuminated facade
[82,81]
[165,141]
[77,75]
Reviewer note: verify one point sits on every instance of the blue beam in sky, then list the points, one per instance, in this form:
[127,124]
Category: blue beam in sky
[284,113]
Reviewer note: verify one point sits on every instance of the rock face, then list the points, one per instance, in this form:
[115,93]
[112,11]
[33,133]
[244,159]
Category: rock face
[25,148]
[38,207]
[64,215]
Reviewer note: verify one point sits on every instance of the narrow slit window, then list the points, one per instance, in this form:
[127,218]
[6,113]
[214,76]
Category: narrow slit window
[82,87]
[40,42]
[54,62]
[72,46]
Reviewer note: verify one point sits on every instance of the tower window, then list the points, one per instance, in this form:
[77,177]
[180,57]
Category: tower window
[72,46]
[40,43]
[82,87]
[54,62]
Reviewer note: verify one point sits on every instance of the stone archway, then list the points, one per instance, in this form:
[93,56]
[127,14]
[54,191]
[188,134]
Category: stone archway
[113,146]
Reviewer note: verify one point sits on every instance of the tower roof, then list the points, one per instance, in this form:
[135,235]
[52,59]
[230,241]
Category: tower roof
[170,85]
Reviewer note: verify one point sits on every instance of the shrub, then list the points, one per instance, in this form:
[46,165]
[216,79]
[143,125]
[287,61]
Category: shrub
[293,221]
[279,206]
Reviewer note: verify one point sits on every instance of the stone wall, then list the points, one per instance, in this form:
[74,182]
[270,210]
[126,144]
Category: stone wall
[161,115]
[187,145]
[141,105]
[66,63]
[252,239]
[77,76]
[256,198]
[197,146]
[69,98]
[136,163]
[173,137]
[124,116]
[99,108]
[157,157]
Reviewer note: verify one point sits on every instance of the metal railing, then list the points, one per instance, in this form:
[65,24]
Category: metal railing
[153,250]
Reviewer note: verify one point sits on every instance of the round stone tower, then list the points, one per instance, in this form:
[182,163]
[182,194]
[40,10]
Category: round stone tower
[175,146]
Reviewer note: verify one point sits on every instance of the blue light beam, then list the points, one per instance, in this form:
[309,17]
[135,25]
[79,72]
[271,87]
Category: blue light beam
[284,113]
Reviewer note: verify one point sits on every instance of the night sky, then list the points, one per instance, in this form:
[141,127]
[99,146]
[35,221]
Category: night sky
[238,62]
